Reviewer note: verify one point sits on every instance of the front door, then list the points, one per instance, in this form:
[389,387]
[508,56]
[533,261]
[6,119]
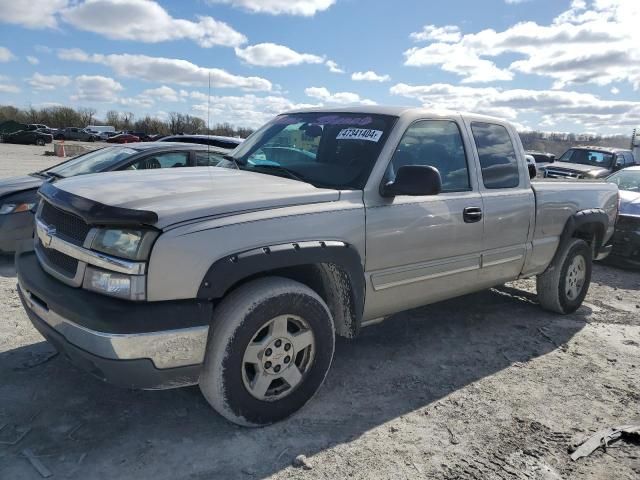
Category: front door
[421,249]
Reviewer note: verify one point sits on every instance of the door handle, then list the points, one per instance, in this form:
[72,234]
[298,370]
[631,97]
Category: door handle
[472,214]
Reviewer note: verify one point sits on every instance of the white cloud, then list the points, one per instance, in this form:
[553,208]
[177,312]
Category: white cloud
[147,21]
[48,82]
[552,106]
[615,90]
[273,55]
[96,88]
[6,86]
[31,13]
[333,67]
[369,76]
[340,98]
[32,60]
[589,43]
[6,55]
[307,8]
[163,93]
[242,110]
[167,70]
[448,33]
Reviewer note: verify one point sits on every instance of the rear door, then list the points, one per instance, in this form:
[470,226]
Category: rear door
[509,204]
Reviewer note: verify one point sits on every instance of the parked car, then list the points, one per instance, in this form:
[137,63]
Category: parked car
[297,239]
[589,163]
[542,158]
[123,138]
[27,137]
[73,133]
[37,126]
[626,239]
[141,135]
[18,194]
[213,140]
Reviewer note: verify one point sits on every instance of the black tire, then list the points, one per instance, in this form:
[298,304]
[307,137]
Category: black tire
[91,139]
[40,142]
[553,284]
[237,320]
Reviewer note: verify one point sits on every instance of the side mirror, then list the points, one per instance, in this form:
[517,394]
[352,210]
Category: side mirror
[415,180]
[533,171]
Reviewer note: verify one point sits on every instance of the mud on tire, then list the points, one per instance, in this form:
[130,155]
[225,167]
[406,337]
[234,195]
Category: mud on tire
[269,349]
[564,284]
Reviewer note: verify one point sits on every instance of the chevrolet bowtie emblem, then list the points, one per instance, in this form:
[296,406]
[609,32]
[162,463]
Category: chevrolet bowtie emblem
[49,232]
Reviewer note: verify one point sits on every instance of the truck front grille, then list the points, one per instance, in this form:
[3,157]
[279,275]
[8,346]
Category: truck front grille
[64,264]
[552,173]
[66,224]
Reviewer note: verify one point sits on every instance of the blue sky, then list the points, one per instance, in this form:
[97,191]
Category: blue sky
[543,64]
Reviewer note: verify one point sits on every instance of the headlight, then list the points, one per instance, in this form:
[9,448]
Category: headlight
[132,244]
[130,287]
[7,208]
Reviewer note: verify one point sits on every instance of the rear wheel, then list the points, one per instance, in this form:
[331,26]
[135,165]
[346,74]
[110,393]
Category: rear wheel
[564,284]
[40,142]
[270,347]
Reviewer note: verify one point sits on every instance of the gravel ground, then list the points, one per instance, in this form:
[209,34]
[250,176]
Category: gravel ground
[487,386]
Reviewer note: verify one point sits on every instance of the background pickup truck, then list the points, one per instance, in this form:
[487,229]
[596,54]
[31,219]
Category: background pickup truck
[239,277]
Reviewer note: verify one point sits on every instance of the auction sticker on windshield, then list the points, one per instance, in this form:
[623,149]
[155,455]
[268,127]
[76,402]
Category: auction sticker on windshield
[359,134]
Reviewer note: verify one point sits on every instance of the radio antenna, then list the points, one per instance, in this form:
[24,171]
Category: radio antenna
[209,118]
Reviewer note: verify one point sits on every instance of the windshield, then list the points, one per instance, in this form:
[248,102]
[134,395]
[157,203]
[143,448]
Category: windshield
[588,157]
[626,180]
[92,162]
[332,150]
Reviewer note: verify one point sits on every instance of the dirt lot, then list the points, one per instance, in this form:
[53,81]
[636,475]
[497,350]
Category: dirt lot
[484,387]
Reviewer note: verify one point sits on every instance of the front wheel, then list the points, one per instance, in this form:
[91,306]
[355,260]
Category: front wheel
[269,350]
[564,284]
[40,142]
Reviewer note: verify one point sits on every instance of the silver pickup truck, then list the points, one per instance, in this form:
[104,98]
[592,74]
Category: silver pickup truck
[239,277]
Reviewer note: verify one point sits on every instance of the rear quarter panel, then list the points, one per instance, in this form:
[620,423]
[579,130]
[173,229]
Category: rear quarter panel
[556,201]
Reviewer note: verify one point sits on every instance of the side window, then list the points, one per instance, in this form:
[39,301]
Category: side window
[208,159]
[497,155]
[436,143]
[628,157]
[161,160]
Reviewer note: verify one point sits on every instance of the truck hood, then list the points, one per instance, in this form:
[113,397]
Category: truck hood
[629,202]
[182,194]
[18,184]
[595,172]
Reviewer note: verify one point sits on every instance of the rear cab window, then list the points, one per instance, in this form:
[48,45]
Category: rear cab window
[497,155]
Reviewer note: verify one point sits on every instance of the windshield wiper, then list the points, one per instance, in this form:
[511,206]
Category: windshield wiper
[231,158]
[285,170]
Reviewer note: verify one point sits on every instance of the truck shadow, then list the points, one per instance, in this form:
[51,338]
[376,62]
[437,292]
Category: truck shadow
[406,364]
[7,266]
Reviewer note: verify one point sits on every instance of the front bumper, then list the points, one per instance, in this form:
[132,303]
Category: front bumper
[149,345]
[626,240]
[15,228]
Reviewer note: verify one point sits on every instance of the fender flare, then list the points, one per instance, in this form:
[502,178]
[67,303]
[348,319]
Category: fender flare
[229,270]
[578,219]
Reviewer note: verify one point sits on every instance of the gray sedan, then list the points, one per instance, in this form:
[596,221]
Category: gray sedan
[18,195]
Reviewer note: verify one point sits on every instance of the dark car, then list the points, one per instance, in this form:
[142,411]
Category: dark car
[18,195]
[589,163]
[74,133]
[542,158]
[213,140]
[141,135]
[626,238]
[27,137]
[123,138]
